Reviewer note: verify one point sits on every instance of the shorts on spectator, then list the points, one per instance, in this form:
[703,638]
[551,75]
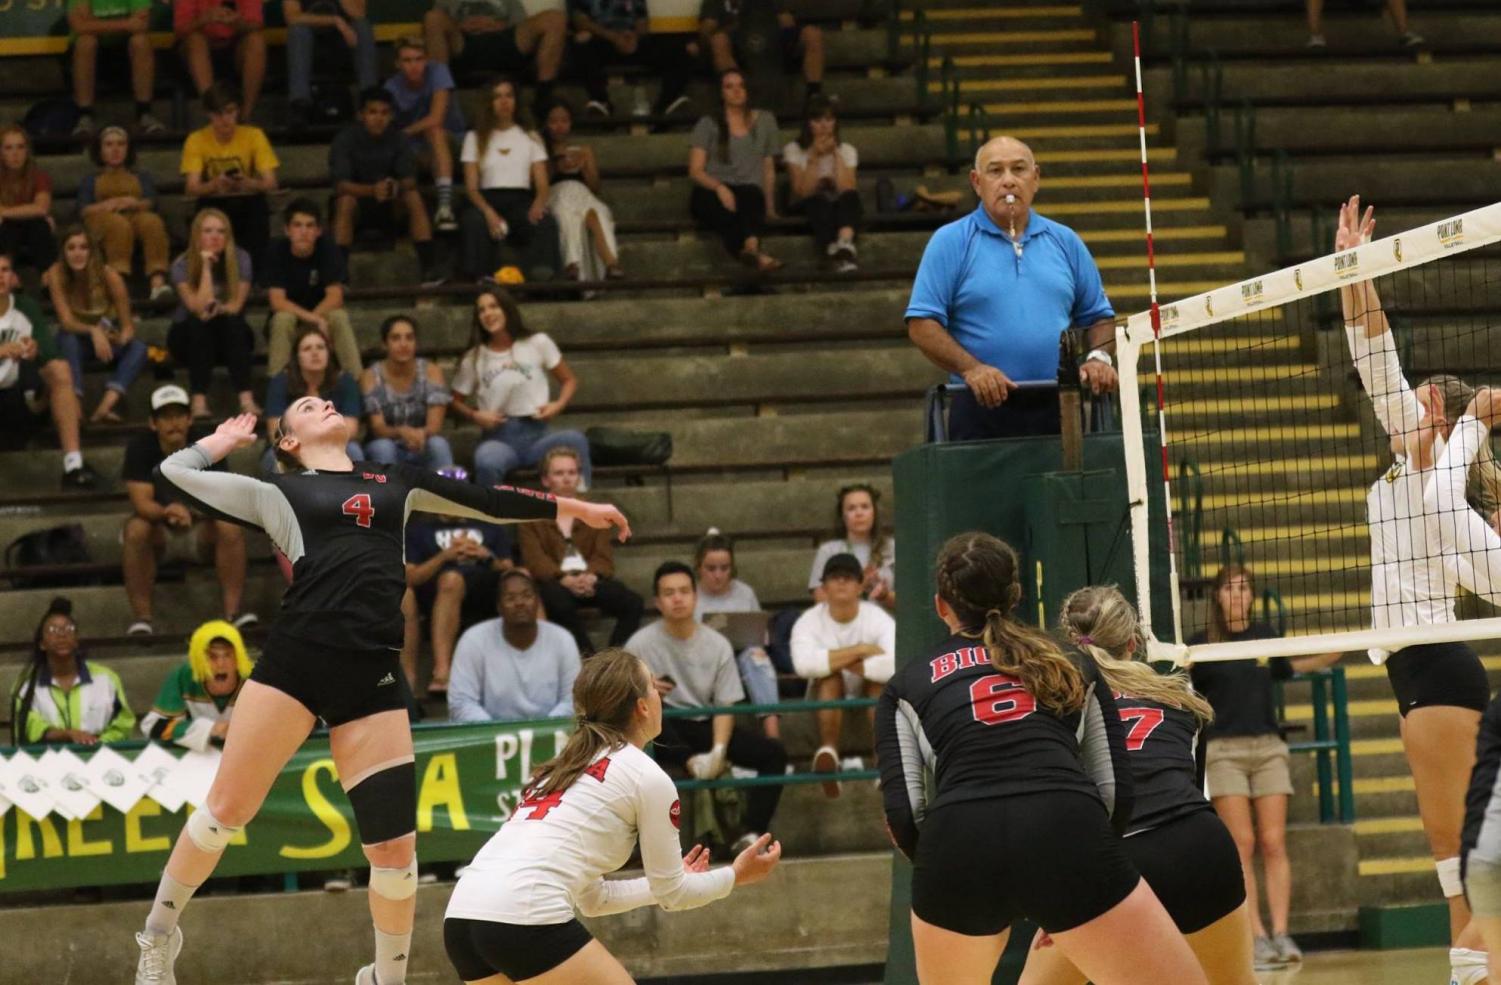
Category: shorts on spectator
[18,408]
[492,52]
[481,592]
[178,545]
[1248,766]
[380,218]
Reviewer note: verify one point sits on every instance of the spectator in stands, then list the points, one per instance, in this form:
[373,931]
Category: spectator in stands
[723,28]
[406,399]
[162,527]
[231,167]
[197,699]
[313,372]
[842,645]
[374,171]
[1246,757]
[719,590]
[505,180]
[117,29]
[225,36]
[304,276]
[454,565]
[515,668]
[693,666]
[1405,36]
[32,370]
[501,385]
[93,312]
[989,319]
[857,531]
[428,115]
[616,32]
[62,697]
[344,17]
[488,36]
[733,170]
[118,204]
[25,203]
[821,169]
[586,226]
[213,278]
[575,565]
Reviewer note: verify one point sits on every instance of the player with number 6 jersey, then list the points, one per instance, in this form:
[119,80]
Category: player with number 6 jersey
[332,654]
[1004,777]
[1175,839]
[583,812]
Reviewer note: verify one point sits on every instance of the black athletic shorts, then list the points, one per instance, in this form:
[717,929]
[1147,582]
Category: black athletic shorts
[1428,674]
[482,948]
[1192,865]
[335,684]
[493,51]
[1050,857]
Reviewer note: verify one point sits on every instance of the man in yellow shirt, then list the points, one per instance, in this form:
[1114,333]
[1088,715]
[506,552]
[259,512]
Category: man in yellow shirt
[231,167]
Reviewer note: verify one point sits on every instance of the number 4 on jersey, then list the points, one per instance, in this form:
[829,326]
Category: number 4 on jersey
[358,506]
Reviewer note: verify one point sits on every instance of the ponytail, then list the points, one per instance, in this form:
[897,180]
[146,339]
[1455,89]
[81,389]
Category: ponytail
[605,696]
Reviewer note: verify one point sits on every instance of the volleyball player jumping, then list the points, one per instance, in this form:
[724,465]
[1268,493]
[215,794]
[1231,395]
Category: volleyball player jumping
[333,653]
[511,917]
[1441,688]
[1175,840]
[1028,752]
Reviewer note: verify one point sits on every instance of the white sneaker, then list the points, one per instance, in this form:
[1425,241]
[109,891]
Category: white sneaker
[444,220]
[826,760]
[158,955]
[365,976]
[141,627]
[680,103]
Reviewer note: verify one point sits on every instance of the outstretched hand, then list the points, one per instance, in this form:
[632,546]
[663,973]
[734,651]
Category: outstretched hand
[696,860]
[238,431]
[1354,228]
[601,516]
[1486,406]
[757,861]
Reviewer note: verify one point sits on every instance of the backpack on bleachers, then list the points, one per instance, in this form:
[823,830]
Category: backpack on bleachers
[52,117]
[60,545]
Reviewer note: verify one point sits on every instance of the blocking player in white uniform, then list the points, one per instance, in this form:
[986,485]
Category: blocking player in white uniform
[512,916]
[1441,688]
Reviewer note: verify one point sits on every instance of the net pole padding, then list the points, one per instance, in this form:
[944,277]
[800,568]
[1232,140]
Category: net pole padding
[1156,322]
[1391,640]
[1137,488]
[1402,251]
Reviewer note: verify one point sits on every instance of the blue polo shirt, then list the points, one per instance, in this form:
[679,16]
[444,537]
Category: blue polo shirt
[1008,312]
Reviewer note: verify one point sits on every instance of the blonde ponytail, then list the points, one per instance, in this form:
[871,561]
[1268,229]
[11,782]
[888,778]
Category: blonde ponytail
[605,695]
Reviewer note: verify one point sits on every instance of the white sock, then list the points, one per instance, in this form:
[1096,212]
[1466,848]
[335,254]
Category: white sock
[171,897]
[391,952]
[72,460]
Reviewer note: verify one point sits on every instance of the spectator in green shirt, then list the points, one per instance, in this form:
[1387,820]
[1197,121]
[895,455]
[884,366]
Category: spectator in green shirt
[63,698]
[117,29]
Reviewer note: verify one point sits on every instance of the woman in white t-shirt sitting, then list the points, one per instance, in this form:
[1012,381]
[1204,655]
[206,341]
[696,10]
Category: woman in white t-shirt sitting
[857,531]
[501,385]
[505,179]
[822,186]
[719,590]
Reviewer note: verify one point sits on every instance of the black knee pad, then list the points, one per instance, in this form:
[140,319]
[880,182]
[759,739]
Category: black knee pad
[385,804]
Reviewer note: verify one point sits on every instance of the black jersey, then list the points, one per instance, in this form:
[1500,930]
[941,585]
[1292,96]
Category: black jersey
[1162,749]
[344,534]
[950,728]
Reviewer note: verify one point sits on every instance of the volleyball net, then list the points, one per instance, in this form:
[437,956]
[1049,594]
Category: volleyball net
[1278,423]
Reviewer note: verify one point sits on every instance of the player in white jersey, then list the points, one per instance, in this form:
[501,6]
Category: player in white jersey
[511,917]
[1441,688]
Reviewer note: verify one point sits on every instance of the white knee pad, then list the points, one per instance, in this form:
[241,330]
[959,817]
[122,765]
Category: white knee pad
[394,884]
[1448,877]
[1466,967]
[209,833]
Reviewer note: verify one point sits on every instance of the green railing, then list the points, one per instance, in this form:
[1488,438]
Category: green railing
[778,708]
[1330,744]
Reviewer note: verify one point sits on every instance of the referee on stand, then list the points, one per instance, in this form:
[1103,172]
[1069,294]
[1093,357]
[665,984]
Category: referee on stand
[994,292]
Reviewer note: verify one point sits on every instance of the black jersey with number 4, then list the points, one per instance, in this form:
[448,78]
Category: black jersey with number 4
[1162,749]
[344,534]
[950,728]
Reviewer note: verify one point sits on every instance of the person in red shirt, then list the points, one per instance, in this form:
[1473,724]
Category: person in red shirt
[211,32]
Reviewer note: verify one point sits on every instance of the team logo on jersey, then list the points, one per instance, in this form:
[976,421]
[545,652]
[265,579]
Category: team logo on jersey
[675,814]
[388,679]
[375,475]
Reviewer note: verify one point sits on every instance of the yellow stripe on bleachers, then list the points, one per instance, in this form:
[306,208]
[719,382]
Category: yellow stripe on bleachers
[164,40]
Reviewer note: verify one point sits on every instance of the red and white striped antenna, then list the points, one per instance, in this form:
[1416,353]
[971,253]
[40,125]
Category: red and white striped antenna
[1146,201]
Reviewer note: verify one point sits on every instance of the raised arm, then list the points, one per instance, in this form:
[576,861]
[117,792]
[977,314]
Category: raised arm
[432,493]
[236,498]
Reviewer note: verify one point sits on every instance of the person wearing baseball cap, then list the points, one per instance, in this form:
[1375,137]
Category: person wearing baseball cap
[843,646]
[162,527]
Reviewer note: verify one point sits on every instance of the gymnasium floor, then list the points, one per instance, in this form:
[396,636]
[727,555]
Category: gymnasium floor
[1418,967]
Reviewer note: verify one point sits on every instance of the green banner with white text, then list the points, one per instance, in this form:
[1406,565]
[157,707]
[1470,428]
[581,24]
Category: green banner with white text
[469,779]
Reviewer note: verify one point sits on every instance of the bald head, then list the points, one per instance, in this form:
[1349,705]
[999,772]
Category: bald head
[1003,149]
[1005,179]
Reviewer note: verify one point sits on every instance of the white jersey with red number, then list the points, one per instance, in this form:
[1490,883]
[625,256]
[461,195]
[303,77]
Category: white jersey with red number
[550,858]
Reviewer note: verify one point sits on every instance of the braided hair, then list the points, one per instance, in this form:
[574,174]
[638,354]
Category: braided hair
[978,577]
[22,698]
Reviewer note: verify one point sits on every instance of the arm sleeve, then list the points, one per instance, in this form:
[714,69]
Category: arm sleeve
[905,757]
[810,658]
[933,288]
[728,688]
[704,135]
[466,682]
[1381,374]
[1472,549]
[1102,748]
[880,669]
[236,498]
[469,153]
[661,852]
[433,493]
[263,158]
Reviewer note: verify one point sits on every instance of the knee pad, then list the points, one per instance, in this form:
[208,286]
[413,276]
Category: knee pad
[1449,878]
[208,832]
[400,884]
[1466,967]
[385,803]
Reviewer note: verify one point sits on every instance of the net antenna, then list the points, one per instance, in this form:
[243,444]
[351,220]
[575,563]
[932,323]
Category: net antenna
[1290,449]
